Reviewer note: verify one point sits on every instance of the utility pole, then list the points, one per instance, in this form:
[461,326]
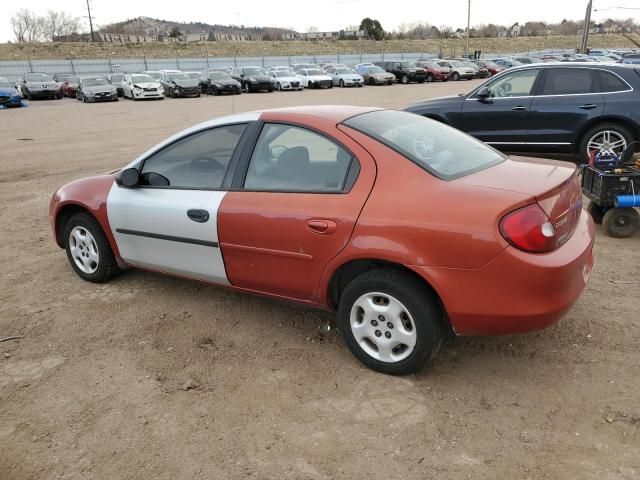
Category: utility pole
[90,21]
[468,26]
[587,25]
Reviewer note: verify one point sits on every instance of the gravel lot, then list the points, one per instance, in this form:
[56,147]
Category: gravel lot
[97,388]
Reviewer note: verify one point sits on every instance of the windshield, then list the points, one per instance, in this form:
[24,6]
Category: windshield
[455,63]
[253,71]
[375,70]
[92,82]
[490,64]
[342,71]
[283,73]
[314,72]
[194,75]
[155,75]
[441,150]
[73,80]
[38,77]
[179,76]
[117,78]
[142,79]
[408,65]
[218,76]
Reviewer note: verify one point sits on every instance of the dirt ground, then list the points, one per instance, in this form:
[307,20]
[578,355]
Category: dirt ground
[96,389]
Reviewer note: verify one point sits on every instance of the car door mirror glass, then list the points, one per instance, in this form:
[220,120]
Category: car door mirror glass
[483,93]
[155,180]
[129,178]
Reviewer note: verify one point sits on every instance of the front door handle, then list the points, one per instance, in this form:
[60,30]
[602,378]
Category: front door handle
[589,106]
[519,108]
[197,215]
[322,226]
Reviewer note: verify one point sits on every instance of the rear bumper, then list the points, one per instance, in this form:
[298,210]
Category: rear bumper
[516,292]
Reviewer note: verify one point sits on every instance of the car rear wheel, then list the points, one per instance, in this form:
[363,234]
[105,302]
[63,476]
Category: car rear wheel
[391,321]
[430,78]
[621,222]
[88,249]
[404,79]
[596,212]
[455,77]
[607,139]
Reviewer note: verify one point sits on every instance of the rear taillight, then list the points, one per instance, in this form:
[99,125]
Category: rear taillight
[529,229]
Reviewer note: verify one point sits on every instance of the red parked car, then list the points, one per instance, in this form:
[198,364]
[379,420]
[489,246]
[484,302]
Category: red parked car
[69,86]
[493,67]
[434,71]
[406,227]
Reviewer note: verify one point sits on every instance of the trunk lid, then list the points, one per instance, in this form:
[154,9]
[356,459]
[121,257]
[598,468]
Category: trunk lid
[554,185]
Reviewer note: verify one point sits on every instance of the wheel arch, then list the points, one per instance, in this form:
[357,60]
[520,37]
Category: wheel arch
[64,213]
[622,121]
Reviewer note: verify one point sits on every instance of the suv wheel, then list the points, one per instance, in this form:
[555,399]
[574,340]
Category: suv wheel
[391,321]
[608,139]
[404,79]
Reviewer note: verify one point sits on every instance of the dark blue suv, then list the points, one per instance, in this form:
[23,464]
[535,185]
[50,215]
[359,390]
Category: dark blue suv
[579,108]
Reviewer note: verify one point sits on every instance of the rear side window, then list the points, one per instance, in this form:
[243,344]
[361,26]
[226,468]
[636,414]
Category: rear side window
[568,81]
[610,82]
[292,159]
[441,150]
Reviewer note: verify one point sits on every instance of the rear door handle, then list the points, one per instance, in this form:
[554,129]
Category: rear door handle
[589,106]
[322,226]
[197,215]
[519,108]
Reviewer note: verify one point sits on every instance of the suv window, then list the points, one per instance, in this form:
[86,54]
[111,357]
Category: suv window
[610,82]
[516,84]
[197,161]
[567,81]
[288,158]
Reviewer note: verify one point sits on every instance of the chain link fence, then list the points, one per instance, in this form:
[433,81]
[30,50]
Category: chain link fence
[13,70]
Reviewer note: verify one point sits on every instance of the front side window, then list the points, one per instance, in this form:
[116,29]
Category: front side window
[516,84]
[435,147]
[289,158]
[197,161]
[569,81]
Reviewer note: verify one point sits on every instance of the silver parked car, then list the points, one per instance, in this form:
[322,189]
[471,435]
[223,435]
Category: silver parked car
[343,77]
[96,89]
[39,85]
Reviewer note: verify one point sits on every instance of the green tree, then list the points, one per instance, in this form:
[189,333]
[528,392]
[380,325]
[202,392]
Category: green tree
[373,28]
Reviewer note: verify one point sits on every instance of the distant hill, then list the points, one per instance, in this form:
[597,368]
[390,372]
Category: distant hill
[162,29]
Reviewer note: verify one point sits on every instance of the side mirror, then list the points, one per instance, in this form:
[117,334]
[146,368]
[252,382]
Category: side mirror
[128,178]
[483,93]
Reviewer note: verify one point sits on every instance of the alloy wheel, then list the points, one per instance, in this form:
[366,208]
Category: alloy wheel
[383,327]
[84,250]
[608,143]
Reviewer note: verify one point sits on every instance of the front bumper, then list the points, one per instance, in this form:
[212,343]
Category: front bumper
[44,93]
[187,92]
[320,83]
[417,77]
[516,292]
[148,93]
[8,102]
[102,97]
[258,86]
[291,86]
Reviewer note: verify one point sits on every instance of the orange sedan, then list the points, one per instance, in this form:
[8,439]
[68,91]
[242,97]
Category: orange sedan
[408,228]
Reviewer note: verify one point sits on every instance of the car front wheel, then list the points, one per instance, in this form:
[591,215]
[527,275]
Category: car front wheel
[391,321]
[455,77]
[88,249]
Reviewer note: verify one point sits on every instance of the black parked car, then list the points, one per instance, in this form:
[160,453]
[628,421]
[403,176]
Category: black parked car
[553,108]
[217,83]
[405,72]
[179,85]
[253,79]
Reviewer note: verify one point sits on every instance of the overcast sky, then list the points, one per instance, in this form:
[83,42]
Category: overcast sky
[327,15]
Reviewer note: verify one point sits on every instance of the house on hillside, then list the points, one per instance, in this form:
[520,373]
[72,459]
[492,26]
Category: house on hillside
[514,31]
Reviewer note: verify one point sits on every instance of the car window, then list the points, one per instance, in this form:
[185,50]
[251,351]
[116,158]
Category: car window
[567,81]
[442,150]
[197,161]
[610,82]
[288,158]
[516,84]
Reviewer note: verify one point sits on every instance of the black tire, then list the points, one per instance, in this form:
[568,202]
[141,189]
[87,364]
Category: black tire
[372,81]
[621,222]
[596,212]
[107,266]
[331,85]
[278,86]
[59,96]
[418,300]
[430,78]
[621,130]
[29,96]
[341,83]
[247,87]
[404,79]
[455,77]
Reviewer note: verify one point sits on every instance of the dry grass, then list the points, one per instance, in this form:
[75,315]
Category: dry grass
[450,47]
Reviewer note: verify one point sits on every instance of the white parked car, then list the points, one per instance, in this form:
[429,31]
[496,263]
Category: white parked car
[285,80]
[282,68]
[314,78]
[343,77]
[138,86]
[458,70]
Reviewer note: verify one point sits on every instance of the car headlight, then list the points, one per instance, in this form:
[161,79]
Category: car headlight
[252,80]
[89,94]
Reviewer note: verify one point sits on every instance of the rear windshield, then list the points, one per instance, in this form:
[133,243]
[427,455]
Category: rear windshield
[441,150]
